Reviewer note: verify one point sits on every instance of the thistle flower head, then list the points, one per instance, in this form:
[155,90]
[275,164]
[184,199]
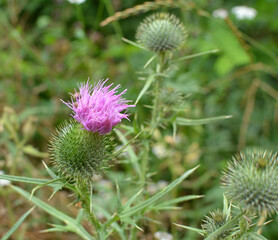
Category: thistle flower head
[161,32]
[79,154]
[251,180]
[214,221]
[98,108]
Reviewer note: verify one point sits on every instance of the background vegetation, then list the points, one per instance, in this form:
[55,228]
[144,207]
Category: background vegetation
[47,47]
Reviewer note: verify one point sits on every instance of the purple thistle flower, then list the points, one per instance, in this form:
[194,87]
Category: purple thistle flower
[97,108]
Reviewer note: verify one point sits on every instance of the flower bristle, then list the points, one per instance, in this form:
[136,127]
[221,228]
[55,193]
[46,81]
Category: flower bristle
[98,108]
[251,180]
[79,154]
[161,32]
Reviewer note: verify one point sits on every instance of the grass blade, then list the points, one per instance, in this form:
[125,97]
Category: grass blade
[72,224]
[17,224]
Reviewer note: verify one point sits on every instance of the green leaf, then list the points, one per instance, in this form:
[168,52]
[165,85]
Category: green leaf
[72,224]
[132,156]
[57,187]
[169,204]
[133,43]
[194,55]
[26,179]
[197,230]
[149,61]
[123,148]
[132,199]
[114,225]
[149,202]
[146,87]
[30,150]
[17,224]
[50,172]
[190,122]
[254,236]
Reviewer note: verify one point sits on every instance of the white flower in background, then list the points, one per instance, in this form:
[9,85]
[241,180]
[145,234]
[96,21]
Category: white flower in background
[163,236]
[76,1]
[244,12]
[4,182]
[162,184]
[220,13]
[159,150]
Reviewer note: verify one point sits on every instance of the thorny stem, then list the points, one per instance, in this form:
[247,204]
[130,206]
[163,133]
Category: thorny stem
[84,195]
[156,106]
[155,117]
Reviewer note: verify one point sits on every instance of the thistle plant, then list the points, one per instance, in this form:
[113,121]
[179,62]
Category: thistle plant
[251,180]
[214,221]
[161,32]
[81,148]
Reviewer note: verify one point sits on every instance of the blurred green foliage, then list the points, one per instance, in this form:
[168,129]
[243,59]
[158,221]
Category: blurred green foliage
[47,47]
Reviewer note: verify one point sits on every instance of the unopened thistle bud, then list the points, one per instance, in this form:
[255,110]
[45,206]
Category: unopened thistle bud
[251,180]
[214,221]
[79,154]
[161,32]
[82,147]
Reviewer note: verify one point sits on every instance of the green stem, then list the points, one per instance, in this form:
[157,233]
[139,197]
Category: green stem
[144,162]
[155,118]
[156,106]
[85,197]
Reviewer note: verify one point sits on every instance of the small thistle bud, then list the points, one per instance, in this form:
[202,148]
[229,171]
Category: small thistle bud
[171,97]
[79,154]
[214,221]
[251,180]
[161,32]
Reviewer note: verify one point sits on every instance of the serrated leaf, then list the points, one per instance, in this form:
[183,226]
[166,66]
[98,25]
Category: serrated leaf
[17,224]
[149,202]
[57,187]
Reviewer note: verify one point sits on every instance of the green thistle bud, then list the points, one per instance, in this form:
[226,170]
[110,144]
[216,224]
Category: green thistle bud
[170,97]
[79,154]
[161,32]
[252,180]
[214,221]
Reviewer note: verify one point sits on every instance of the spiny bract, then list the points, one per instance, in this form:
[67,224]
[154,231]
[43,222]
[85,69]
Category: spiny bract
[79,154]
[161,32]
[252,180]
[213,222]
